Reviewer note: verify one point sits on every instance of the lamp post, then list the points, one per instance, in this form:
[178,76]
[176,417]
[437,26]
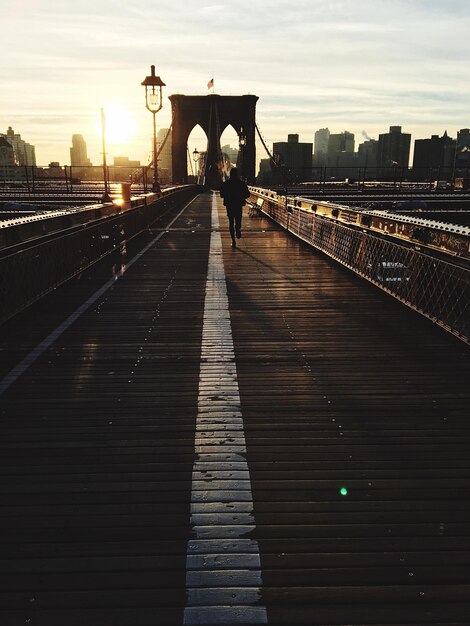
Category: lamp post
[241,150]
[153,102]
[196,157]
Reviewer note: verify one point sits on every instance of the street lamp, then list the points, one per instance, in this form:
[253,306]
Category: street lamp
[196,157]
[241,151]
[153,102]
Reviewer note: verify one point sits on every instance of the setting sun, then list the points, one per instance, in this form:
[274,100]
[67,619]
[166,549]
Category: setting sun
[120,125]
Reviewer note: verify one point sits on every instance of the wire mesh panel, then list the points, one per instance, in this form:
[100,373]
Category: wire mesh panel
[29,271]
[435,287]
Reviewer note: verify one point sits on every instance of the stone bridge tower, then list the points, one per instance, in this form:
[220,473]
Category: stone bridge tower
[213,113]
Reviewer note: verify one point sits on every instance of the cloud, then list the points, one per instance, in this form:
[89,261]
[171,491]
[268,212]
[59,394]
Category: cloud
[362,64]
[211,9]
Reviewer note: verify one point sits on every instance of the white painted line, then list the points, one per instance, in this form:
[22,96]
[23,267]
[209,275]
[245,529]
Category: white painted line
[220,561]
[209,596]
[219,615]
[223,569]
[23,365]
[222,547]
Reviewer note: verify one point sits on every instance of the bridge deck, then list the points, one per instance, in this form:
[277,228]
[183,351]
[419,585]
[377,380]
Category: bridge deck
[109,517]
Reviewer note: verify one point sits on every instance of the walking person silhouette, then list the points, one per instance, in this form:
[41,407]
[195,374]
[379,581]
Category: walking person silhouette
[234,193]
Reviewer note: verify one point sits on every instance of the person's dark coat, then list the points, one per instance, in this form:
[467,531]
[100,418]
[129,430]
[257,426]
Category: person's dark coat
[234,193]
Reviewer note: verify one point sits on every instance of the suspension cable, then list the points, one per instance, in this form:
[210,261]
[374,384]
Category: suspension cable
[265,146]
[273,160]
[162,145]
[139,174]
[190,159]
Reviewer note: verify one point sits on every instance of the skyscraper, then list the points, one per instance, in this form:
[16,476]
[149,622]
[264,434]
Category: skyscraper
[341,142]
[434,153]
[25,153]
[321,140]
[7,156]
[341,154]
[367,153]
[394,148]
[78,152]
[462,152]
[463,138]
[296,156]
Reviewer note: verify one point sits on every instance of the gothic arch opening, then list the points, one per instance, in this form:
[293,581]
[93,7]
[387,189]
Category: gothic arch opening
[196,154]
[229,141]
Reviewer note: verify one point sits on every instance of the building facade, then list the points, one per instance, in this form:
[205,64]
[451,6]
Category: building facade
[7,156]
[78,152]
[265,174]
[231,153]
[24,153]
[462,152]
[294,156]
[341,158]
[165,167]
[393,149]
[434,157]
[367,153]
[321,140]
[341,142]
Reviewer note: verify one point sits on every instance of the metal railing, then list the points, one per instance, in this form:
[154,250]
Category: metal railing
[32,269]
[398,178]
[431,282]
[27,180]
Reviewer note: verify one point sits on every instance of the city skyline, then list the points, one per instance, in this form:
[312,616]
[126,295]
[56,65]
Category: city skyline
[359,68]
[354,149]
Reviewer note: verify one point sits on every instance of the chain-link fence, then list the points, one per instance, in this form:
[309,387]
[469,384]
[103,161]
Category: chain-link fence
[32,269]
[433,286]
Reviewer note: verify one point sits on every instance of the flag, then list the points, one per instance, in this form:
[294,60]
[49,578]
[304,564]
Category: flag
[210,84]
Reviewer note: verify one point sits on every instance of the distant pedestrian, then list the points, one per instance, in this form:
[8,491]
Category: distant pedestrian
[234,192]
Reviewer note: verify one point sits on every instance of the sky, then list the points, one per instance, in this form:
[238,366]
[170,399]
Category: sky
[356,65]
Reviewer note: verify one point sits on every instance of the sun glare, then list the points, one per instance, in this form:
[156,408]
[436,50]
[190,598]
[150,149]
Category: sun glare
[120,126]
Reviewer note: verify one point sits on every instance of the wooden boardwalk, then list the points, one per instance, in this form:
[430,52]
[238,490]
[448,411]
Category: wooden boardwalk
[145,481]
